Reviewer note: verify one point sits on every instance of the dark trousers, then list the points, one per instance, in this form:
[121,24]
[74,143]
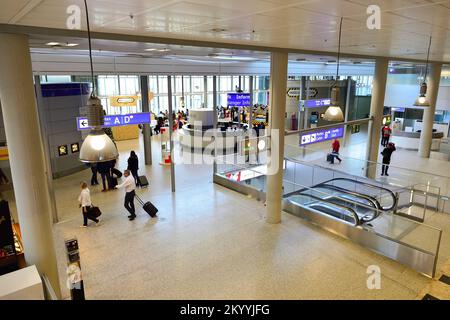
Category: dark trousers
[385,167]
[335,155]
[384,141]
[84,211]
[135,175]
[106,177]
[94,180]
[129,203]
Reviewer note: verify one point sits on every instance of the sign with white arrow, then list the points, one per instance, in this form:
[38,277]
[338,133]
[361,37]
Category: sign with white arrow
[117,120]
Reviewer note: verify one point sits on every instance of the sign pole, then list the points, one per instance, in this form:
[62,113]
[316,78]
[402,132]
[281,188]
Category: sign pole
[171,120]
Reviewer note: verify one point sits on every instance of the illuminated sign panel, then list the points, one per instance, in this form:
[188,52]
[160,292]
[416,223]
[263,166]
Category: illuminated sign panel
[238,99]
[321,135]
[317,103]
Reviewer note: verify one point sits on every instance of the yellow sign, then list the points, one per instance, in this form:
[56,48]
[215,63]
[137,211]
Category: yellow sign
[123,101]
[4,153]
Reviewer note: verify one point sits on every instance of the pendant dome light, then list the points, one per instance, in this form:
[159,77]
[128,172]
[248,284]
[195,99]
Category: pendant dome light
[422,99]
[334,111]
[97,147]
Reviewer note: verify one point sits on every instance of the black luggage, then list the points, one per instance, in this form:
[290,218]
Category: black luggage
[94,212]
[148,207]
[330,158]
[116,172]
[113,182]
[143,182]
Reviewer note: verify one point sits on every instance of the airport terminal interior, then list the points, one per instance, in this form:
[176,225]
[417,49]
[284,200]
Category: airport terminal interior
[203,149]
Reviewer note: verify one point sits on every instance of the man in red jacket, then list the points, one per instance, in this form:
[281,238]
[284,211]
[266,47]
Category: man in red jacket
[335,146]
[385,135]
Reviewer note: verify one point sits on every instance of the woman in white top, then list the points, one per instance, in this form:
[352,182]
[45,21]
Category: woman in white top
[85,204]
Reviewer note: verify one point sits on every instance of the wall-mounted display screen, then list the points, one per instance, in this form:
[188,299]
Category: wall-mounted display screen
[321,135]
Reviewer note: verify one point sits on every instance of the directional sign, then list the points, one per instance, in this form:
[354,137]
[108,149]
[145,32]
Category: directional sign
[117,120]
[238,99]
[321,135]
[317,103]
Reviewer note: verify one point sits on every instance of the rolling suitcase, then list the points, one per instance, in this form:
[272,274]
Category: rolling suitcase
[143,182]
[148,207]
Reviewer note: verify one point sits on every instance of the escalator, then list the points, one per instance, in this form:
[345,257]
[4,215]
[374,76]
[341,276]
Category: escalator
[349,206]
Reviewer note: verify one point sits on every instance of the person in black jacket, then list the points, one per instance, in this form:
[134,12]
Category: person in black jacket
[387,154]
[104,168]
[133,166]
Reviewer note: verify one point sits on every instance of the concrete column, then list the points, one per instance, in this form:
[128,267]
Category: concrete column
[205,91]
[426,135]
[171,121]
[376,111]
[278,87]
[147,130]
[215,121]
[250,115]
[26,154]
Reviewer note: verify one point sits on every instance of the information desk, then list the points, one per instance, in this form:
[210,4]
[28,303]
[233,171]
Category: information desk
[411,140]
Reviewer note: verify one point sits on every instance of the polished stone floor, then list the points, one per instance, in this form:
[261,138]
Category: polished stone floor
[212,243]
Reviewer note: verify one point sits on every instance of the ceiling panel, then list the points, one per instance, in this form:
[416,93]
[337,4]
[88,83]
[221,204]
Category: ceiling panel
[298,24]
[9,8]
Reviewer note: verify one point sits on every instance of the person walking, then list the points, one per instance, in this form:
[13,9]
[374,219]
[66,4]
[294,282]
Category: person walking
[85,204]
[94,180]
[133,166]
[335,146]
[385,135]
[104,168]
[130,187]
[387,154]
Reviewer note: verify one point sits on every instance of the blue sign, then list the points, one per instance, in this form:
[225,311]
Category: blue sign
[238,99]
[317,103]
[321,135]
[117,120]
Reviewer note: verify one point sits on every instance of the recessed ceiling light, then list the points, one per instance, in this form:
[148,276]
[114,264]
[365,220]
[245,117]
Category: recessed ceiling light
[164,50]
[71,44]
[151,49]
[53,44]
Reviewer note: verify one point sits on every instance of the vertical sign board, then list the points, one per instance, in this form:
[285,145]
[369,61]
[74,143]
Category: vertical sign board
[6,232]
[317,136]
[74,276]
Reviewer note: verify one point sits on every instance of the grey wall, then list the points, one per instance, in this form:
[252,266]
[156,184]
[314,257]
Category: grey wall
[58,106]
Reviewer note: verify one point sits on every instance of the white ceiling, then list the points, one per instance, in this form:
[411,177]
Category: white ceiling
[297,24]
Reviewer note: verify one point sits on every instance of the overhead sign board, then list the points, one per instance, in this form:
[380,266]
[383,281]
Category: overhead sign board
[321,135]
[317,103]
[117,120]
[123,101]
[238,99]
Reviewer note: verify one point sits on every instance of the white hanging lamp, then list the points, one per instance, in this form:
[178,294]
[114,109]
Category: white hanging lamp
[334,111]
[97,147]
[422,99]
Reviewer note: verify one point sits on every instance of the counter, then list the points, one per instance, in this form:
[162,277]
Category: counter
[411,140]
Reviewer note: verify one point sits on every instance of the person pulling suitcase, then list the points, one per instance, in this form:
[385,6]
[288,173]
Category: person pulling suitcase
[130,187]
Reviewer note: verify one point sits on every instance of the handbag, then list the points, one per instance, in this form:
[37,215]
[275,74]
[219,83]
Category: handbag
[95,212]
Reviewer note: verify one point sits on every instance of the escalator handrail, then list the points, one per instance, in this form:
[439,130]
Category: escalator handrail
[371,199]
[353,212]
[394,198]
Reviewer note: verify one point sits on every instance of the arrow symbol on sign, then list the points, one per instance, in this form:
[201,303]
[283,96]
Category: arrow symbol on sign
[84,123]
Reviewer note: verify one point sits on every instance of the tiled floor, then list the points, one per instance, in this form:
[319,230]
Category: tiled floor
[212,243]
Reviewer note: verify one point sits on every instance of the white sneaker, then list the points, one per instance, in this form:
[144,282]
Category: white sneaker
[83,226]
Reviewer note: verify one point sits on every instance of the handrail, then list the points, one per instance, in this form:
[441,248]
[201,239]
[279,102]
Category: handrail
[394,198]
[370,199]
[353,212]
